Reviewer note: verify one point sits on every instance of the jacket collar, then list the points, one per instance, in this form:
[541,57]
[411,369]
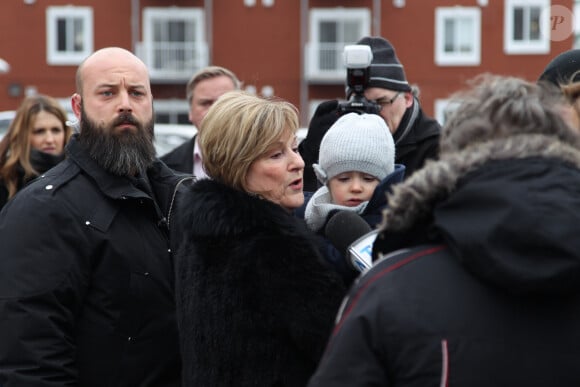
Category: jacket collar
[116,187]
[379,197]
[415,127]
[161,179]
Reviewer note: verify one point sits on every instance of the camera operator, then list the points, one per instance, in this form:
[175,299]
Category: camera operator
[416,135]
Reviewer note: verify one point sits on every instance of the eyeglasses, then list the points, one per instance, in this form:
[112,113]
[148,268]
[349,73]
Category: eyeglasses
[387,102]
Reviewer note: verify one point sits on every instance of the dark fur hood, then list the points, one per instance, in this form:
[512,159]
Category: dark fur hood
[508,208]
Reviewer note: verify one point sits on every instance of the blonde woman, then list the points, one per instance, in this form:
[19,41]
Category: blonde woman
[255,302]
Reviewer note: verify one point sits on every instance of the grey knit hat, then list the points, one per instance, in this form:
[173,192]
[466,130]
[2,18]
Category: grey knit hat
[356,142]
[386,71]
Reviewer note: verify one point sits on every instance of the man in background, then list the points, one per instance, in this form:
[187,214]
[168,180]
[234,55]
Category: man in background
[416,135]
[203,89]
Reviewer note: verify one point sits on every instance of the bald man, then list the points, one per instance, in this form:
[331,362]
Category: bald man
[86,276]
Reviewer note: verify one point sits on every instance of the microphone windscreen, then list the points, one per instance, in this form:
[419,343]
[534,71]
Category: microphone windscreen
[345,227]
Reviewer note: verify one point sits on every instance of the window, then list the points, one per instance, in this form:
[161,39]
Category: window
[69,35]
[171,111]
[527,26]
[173,44]
[330,30]
[458,36]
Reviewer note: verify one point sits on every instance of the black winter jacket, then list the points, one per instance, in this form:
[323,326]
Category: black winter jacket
[493,299]
[40,161]
[416,139]
[86,280]
[181,158]
[255,301]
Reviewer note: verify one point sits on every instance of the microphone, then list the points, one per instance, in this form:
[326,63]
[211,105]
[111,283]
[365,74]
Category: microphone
[353,237]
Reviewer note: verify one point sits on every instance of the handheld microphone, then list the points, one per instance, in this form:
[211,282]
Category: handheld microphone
[353,237]
[361,251]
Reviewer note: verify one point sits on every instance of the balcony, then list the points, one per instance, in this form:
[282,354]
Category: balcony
[173,62]
[324,63]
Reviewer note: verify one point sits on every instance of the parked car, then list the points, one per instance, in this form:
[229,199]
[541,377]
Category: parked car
[6,118]
[301,134]
[169,136]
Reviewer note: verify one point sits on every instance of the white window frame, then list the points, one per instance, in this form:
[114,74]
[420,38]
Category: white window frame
[69,12]
[457,58]
[147,48]
[319,15]
[526,46]
[172,107]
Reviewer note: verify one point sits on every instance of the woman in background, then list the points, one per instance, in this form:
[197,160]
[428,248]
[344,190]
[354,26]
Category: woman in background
[255,301]
[34,143]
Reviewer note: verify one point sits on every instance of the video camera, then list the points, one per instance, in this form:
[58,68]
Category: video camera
[357,59]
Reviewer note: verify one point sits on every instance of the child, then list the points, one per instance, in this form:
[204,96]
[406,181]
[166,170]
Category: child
[356,167]
[356,154]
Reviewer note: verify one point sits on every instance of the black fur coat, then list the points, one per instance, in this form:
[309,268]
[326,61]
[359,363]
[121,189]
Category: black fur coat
[255,302]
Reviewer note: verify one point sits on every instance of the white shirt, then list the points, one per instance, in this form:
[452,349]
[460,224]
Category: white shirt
[198,171]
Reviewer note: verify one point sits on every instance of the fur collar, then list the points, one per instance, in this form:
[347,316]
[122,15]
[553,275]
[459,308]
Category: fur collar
[213,209]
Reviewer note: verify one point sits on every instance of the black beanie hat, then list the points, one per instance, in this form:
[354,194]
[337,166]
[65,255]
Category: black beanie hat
[386,71]
[563,69]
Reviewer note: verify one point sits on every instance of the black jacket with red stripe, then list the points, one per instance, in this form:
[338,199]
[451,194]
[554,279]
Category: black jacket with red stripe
[477,282]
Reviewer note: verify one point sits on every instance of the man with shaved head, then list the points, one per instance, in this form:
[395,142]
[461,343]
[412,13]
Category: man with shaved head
[86,274]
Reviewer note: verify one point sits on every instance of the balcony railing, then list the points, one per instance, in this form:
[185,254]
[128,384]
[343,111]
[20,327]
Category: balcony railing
[173,61]
[324,62]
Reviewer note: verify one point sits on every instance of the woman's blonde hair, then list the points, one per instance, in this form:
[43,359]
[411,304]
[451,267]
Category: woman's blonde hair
[238,129]
[15,145]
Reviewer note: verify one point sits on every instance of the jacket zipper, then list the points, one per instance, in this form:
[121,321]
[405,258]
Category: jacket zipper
[174,196]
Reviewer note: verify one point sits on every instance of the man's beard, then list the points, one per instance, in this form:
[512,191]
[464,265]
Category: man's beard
[126,153]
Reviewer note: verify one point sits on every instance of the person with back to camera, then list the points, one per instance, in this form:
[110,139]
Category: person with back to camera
[34,143]
[255,301]
[203,89]
[416,135]
[86,275]
[476,282]
[356,168]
